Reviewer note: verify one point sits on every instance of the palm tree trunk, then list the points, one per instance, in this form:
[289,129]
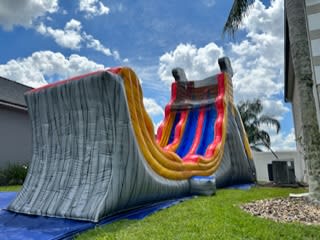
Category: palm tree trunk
[303,78]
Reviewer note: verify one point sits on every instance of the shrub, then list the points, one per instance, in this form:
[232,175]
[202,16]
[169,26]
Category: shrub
[14,174]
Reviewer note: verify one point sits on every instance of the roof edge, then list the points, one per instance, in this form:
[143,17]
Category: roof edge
[12,105]
[7,79]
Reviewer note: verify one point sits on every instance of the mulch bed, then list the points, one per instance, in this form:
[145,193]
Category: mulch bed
[288,210]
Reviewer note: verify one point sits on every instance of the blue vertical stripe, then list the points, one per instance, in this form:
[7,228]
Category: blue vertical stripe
[173,129]
[208,131]
[189,133]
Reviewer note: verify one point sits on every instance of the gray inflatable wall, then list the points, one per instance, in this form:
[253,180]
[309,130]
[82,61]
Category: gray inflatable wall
[87,163]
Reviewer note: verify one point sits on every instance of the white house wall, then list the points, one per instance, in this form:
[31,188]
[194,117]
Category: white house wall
[15,137]
[262,159]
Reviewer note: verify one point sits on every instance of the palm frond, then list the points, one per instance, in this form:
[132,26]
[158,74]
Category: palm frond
[250,113]
[237,13]
[255,148]
[270,122]
[264,137]
[256,106]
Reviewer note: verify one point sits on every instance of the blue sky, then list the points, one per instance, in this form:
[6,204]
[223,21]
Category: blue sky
[46,41]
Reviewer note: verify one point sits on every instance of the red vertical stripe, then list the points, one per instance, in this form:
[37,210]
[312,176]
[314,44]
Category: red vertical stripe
[219,121]
[198,134]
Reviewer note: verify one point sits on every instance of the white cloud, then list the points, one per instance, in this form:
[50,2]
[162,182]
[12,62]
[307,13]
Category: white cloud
[282,141]
[73,25]
[96,45]
[93,8]
[265,20]
[72,36]
[148,74]
[152,107]
[198,63]
[24,13]
[274,108]
[259,65]
[257,62]
[35,69]
[69,37]
[116,55]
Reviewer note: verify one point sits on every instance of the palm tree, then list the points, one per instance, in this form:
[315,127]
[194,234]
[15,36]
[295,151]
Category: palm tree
[238,11]
[295,16]
[252,118]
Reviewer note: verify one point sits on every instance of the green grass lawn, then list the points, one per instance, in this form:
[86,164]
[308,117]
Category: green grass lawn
[9,188]
[216,217]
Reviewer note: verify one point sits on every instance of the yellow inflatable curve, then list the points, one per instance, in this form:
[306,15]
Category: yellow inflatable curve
[166,163]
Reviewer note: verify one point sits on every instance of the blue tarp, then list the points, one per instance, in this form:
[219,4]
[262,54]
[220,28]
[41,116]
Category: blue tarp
[20,226]
[16,226]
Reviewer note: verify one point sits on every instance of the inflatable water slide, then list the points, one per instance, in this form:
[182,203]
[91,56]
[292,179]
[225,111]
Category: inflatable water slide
[95,153]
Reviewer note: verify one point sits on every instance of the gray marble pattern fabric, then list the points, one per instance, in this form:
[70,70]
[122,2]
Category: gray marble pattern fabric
[86,162]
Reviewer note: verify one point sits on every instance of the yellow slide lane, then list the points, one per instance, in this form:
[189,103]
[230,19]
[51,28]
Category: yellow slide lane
[167,130]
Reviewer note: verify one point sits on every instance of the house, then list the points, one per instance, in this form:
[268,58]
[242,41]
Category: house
[263,160]
[15,126]
[302,78]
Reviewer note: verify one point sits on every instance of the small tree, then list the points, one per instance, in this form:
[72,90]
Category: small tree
[252,118]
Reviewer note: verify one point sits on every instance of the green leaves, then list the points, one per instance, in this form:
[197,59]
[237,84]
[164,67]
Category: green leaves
[237,13]
[14,174]
[253,119]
